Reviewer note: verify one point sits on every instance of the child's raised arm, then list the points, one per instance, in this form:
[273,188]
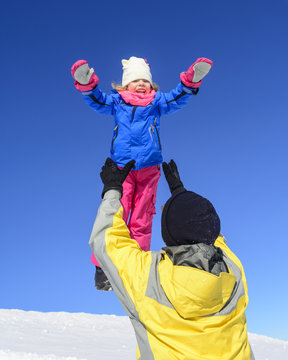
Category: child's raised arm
[86,81]
[190,82]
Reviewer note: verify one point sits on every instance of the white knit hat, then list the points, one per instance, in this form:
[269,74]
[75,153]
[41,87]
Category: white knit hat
[134,69]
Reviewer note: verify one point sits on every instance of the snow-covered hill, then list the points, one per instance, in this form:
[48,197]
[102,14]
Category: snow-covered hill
[29,335]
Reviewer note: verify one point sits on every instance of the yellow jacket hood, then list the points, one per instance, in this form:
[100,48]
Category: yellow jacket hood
[194,292]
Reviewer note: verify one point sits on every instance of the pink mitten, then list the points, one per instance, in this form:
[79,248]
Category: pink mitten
[196,72]
[85,78]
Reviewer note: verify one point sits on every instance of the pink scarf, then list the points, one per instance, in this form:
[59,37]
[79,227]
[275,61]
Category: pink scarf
[137,99]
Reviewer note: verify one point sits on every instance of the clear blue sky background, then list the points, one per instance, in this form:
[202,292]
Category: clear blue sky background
[230,142]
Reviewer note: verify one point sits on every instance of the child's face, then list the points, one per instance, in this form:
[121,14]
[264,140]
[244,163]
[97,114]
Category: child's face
[140,86]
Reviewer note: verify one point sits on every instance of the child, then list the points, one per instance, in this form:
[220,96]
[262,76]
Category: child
[137,106]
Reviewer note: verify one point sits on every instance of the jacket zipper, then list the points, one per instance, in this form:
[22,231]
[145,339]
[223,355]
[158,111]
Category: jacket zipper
[115,129]
[151,130]
[160,147]
[133,112]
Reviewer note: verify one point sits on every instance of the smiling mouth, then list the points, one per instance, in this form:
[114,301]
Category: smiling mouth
[141,90]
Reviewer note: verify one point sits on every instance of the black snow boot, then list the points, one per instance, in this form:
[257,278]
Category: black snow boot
[101,281]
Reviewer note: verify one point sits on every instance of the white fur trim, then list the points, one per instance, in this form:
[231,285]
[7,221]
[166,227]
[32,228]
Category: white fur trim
[134,69]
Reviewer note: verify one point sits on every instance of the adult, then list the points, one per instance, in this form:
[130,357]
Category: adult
[186,301]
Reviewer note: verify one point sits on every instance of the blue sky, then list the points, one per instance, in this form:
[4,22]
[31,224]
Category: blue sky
[230,142]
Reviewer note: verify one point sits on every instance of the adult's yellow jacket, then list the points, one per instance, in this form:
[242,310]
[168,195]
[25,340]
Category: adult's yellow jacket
[183,303]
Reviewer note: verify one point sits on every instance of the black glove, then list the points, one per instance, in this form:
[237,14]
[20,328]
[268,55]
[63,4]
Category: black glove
[172,176]
[112,177]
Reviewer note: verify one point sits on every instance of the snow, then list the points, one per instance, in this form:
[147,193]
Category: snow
[31,335]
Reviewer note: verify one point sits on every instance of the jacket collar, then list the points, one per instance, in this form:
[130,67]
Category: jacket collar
[201,256]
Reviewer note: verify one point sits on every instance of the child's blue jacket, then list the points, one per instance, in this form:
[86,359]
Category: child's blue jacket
[136,133]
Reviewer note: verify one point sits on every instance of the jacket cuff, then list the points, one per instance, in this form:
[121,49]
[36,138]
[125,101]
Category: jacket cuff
[112,194]
[188,83]
[89,92]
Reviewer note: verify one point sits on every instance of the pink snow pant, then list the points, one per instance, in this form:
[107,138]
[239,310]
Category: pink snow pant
[138,201]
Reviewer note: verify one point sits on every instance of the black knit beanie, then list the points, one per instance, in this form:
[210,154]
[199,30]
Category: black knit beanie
[188,218]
